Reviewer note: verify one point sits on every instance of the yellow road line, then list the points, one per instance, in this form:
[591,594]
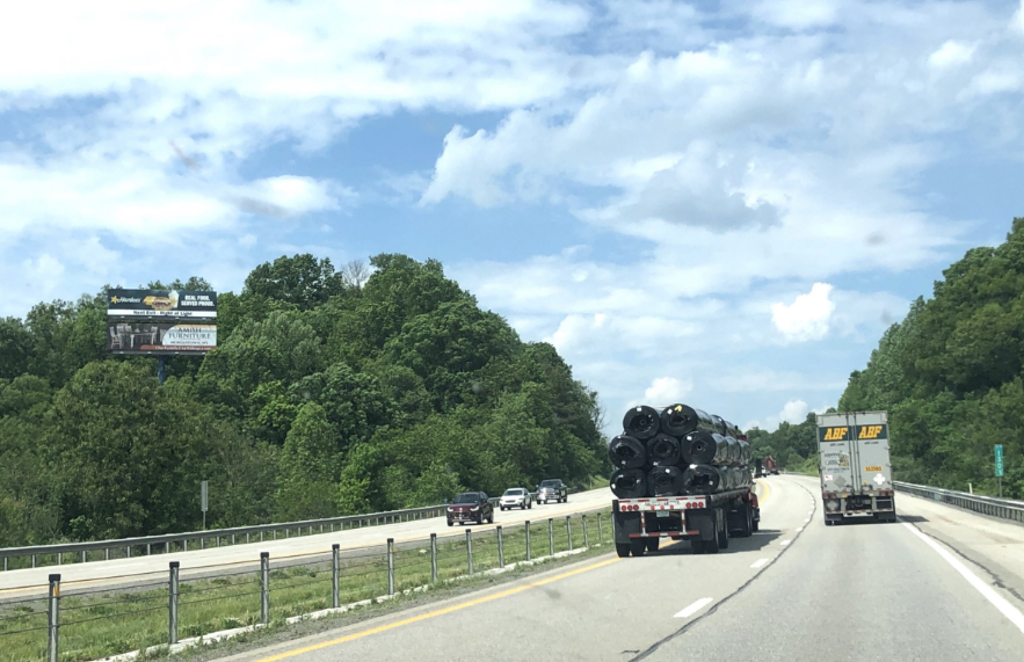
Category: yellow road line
[453,608]
[433,614]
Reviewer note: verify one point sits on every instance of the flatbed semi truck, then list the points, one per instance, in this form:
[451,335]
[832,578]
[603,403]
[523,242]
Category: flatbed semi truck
[707,521]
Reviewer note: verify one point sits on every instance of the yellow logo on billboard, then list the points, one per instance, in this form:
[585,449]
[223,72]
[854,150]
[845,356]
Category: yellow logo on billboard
[836,434]
[870,431]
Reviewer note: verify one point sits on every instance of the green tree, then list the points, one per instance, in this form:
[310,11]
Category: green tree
[307,476]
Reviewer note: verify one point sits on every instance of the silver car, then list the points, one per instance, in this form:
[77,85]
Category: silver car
[516,497]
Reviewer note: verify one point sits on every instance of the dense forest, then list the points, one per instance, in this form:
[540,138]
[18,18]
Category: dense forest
[331,392]
[949,375]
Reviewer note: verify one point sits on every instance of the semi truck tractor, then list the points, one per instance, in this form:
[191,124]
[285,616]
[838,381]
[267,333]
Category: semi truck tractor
[856,472]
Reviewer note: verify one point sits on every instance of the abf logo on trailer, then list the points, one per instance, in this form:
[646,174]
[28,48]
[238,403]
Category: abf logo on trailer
[870,431]
[836,434]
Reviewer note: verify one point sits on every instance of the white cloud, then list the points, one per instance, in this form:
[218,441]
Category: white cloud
[807,318]
[794,411]
[667,390]
[798,14]
[951,54]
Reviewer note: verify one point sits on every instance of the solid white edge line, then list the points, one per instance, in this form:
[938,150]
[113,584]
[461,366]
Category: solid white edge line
[999,602]
[694,608]
[758,563]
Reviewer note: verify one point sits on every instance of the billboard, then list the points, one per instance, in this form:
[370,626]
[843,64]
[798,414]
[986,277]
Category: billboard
[160,338]
[161,303]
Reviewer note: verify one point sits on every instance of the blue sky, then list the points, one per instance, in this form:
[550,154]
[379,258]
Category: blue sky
[723,203]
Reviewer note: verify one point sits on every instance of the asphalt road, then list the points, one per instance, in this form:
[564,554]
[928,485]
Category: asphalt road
[797,591]
[124,572]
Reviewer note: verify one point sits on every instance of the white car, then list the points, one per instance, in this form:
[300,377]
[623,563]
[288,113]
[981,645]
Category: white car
[516,497]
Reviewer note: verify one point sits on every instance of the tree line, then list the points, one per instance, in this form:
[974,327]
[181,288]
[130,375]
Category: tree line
[949,375]
[331,392]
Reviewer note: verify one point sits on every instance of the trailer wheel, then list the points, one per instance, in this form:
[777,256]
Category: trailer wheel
[653,544]
[723,537]
[747,525]
[622,549]
[637,546]
[710,546]
[697,545]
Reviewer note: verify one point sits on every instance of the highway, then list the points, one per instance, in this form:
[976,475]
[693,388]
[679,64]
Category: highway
[124,572]
[795,591]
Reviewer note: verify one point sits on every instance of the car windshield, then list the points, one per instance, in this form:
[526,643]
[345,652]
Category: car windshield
[549,483]
[514,492]
[470,497]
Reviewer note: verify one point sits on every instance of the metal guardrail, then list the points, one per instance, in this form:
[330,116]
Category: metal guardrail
[992,506]
[39,555]
[42,618]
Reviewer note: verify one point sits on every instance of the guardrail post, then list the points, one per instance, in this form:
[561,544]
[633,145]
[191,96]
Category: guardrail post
[469,549]
[551,536]
[60,558]
[568,530]
[433,557]
[33,560]
[600,529]
[127,551]
[391,566]
[5,563]
[53,619]
[172,604]
[529,556]
[265,587]
[335,571]
[586,537]
[501,550]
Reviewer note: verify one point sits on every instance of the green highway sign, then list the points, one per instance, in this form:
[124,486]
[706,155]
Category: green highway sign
[999,460]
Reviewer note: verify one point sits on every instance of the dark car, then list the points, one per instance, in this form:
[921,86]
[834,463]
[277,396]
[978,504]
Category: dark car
[470,507]
[552,489]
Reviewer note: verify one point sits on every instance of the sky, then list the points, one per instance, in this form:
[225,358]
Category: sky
[719,203]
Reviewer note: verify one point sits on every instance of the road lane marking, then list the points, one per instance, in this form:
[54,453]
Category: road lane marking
[694,608]
[785,542]
[999,602]
[807,520]
[758,563]
[433,614]
[799,529]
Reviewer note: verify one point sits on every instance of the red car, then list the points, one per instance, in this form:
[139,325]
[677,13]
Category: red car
[470,507]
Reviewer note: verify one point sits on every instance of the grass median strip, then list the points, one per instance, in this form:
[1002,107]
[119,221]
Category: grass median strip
[98,624]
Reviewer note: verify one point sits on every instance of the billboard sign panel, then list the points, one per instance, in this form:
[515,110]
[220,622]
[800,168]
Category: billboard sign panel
[161,303]
[160,338]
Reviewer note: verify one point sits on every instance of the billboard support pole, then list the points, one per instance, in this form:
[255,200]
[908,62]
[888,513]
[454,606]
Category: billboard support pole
[161,370]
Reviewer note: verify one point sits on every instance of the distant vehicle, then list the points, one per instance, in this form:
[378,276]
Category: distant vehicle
[770,465]
[856,472]
[758,468]
[516,497]
[470,507]
[552,489]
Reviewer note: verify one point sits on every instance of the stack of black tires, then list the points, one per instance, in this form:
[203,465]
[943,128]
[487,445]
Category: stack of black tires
[677,451]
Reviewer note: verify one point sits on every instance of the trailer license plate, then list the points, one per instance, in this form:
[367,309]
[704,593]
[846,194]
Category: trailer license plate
[872,468]
[663,513]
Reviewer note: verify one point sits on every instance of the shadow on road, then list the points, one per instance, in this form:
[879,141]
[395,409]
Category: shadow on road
[912,518]
[759,540]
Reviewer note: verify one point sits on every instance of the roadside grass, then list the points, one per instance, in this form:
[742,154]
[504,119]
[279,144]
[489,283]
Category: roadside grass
[101,623]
